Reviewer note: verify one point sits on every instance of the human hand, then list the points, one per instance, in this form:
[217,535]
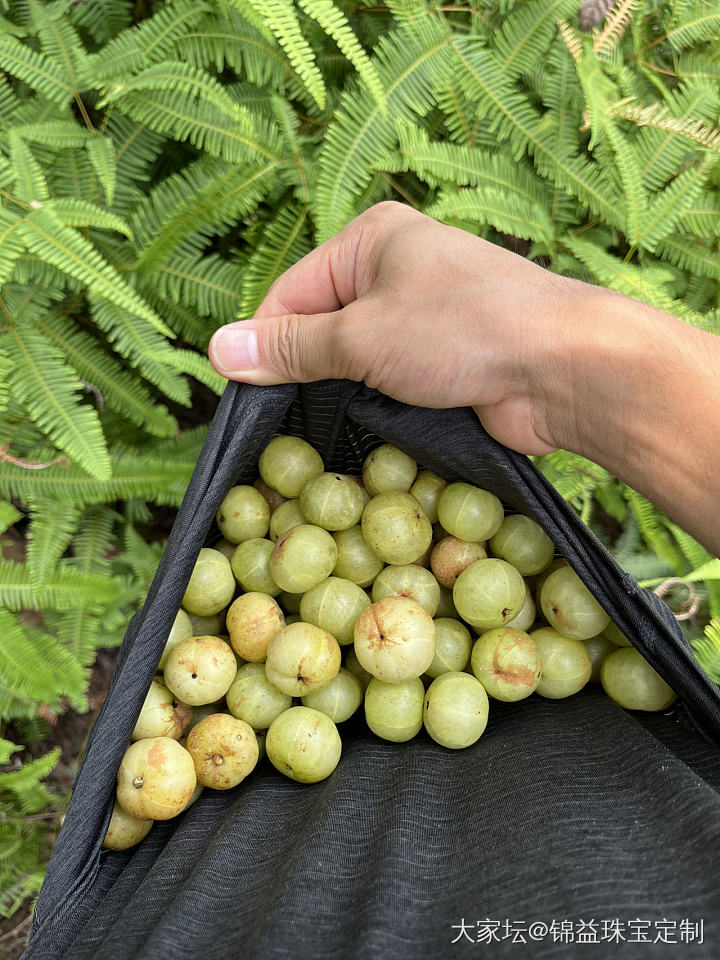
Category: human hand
[424,312]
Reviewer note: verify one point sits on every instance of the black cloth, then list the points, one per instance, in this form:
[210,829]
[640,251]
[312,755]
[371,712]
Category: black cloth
[569,812]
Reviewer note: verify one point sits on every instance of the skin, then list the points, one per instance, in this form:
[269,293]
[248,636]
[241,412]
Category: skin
[546,362]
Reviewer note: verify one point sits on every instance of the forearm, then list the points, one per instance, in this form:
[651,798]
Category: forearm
[642,399]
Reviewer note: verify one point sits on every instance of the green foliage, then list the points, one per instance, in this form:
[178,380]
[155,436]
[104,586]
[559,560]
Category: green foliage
[161,163]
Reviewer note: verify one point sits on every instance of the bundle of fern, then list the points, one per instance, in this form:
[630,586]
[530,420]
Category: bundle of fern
[161,163]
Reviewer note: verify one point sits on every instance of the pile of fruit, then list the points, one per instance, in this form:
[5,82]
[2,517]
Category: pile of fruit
[439,602]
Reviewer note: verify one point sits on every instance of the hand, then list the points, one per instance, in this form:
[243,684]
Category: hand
[424,312]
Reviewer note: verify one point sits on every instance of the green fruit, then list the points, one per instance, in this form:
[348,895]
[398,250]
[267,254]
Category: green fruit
[387,469]
[536,582]
[456,710]
[629,680]
[355,560]
[224,751]
[302,558]
[302,658]
[287,463]
[524,544]
[526,618]
[287,516]
[332,501]
[211,585]
[252,621]
[426,490]
[290,602]
[394,711]
[598,649]
[181,629]
[243,514]
[272,497]
[411,581]
[161,714]
[395,528]
[616,636]
[211,626]
[565,664]
[570,608]
[200,670]
[446,607]
[156,779]
[489,594]
[469,513]
[452,647]
[206,710]
[507,664]
[451,556]
[353,665]
[254,699]
[304,744]
[251,566]
[339,699]
[395,639]
[224,546]
[334,605]
[125,831]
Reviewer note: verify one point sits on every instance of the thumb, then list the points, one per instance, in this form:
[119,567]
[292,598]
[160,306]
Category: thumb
[295,348]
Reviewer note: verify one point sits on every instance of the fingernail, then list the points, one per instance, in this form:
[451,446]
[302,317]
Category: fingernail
[236,348]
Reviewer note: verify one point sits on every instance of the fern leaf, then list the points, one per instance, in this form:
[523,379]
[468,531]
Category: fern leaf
[60,42]
[37,70]
[30,185]
[65,588]
[634,196]
[707,650]
[70,252]
[25,786]
[508,214]
[53,133]
[103,19]
[286,241]
[22,670]
[52,526]
[336,25]
[616,22]
[8,516]
[120,390]
[527,33]
[7,749]
[81,213]
[11,244]
[102,157]
[43,383]
[695,257]
[210,285]
[196,366]
[281,18]
[699,22]
[669,205]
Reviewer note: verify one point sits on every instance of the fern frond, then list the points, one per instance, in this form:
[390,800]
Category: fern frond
[652,528]
[281,18]
[197,366]
[527,33]
[506,213]
[47,388]
[52,526]
[8,516]
[103,19]
[616,22]
[634,196]
[30,184]
[572,41]
[38,71]
[54,133]
[209,284]
[60,42]
[668,206]
[62,591]
[23,671]
[101,152]
[7,749]
[697,258]
[707,650]
[656,116]
[11,244]
[286,241]
[24,784]
[81,213]
[702,218]
[698,22]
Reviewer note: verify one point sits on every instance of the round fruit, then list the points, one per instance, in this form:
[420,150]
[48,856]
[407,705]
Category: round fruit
[452,647]
[334,605]
[408,580]
[254,699]
[161,714]
[565,664]
[287,516]
[302,658]
[526,618]
[395,639]
[287,463]
[252,621]
[507,664]
[339,699]
[536,582]
[456,710]
[394,711]
[224,751]
[156,779]
[224,547]
[598,649]
[195,794]
[469,513]
[387,469]
[629,680]
[489,594]
[243,514]
[355,560]
[181,629]
[424,560]
[251,566]
[616,636]
[569,606]
[211,585]
[302,558]
[446,607]
[426,490]
[125,831]
[451,556]
[199,713]
[273,498]
[524,544]
[304,744]
[290,602]
[396,528]
[353,665]
[211,626]
[200,670]
[332,501]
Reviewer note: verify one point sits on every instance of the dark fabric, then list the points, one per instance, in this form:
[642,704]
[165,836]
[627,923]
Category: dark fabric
[563,810]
